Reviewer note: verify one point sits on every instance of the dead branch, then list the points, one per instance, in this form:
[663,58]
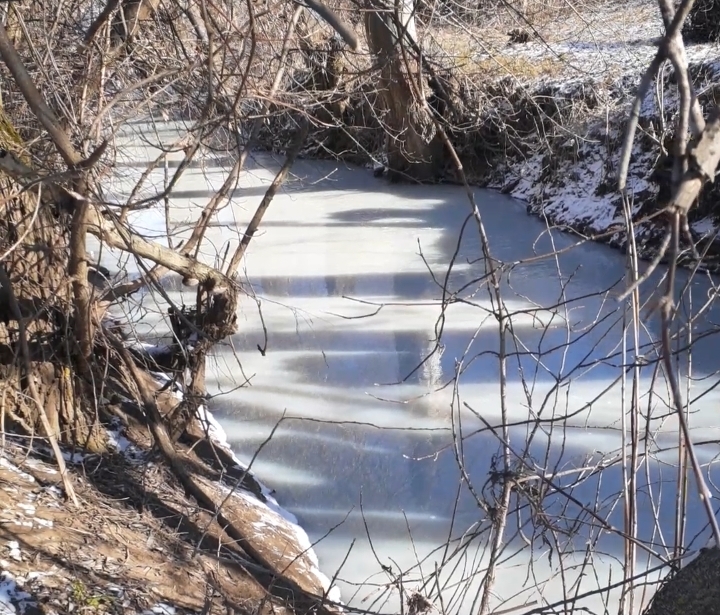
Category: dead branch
[267,199]
[117,236]
[334,22]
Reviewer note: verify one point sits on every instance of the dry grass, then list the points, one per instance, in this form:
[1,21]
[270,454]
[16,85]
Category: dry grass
[592,41]
[518,67]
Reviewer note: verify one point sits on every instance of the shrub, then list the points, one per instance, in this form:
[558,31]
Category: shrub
[703,23]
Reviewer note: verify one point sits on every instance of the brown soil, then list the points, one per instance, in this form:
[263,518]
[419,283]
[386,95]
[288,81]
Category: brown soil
[138,541]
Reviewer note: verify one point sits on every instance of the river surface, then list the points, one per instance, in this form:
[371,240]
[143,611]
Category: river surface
[346,349]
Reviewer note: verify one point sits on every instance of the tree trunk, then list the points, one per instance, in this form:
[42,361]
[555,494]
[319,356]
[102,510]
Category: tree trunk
[413,148]
[694,590]
[38,376]
[128,19]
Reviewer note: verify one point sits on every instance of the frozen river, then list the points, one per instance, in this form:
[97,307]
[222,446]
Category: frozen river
[385,392]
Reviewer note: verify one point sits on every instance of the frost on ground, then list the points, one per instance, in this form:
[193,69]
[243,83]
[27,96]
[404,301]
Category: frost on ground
[559,103]
[572,180]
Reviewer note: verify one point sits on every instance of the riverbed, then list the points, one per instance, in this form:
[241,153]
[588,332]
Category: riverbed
[369,341]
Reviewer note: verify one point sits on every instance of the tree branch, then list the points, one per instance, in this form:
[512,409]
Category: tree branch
[112,231]
[267,199]
[704,158]
[124,239]
[37,103]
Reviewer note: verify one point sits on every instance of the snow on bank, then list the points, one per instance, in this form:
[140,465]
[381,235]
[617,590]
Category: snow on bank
[13,600]
[24,513]
[570,196]
[581,68]
[273,513]
[571,180]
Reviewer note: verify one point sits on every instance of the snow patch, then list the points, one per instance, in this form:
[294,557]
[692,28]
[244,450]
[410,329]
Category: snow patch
[218,435]
[28,509]
[40,465]
[154,350]
[4,463]
[118,440]
[73,457]
[164,379]
[270,514]
[271,506]
[13,601]
[14,547]
[160,609]
[704,227]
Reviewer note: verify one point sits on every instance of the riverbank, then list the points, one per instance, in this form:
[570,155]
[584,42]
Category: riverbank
[567,93]
[570,179]
[539,111]
[139,543]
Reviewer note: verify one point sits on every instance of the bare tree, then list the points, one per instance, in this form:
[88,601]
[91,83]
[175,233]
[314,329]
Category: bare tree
[413,148]
[71,80]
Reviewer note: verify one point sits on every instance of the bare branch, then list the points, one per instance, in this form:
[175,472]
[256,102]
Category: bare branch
[704,158]
[120,237]
[37,103]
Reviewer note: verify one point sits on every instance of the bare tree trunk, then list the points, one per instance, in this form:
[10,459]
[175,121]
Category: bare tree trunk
[413,149]
[34,256]
[128,19]
[12,24]
[694,589]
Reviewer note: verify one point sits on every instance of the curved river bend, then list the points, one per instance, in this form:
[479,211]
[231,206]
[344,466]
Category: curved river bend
[345,285]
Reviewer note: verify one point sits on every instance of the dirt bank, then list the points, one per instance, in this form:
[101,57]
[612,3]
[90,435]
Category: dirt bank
[139,543]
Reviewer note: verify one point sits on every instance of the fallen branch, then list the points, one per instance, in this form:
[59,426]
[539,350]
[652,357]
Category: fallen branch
[198,488]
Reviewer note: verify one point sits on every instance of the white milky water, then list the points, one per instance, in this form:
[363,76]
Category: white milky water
[344,297]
